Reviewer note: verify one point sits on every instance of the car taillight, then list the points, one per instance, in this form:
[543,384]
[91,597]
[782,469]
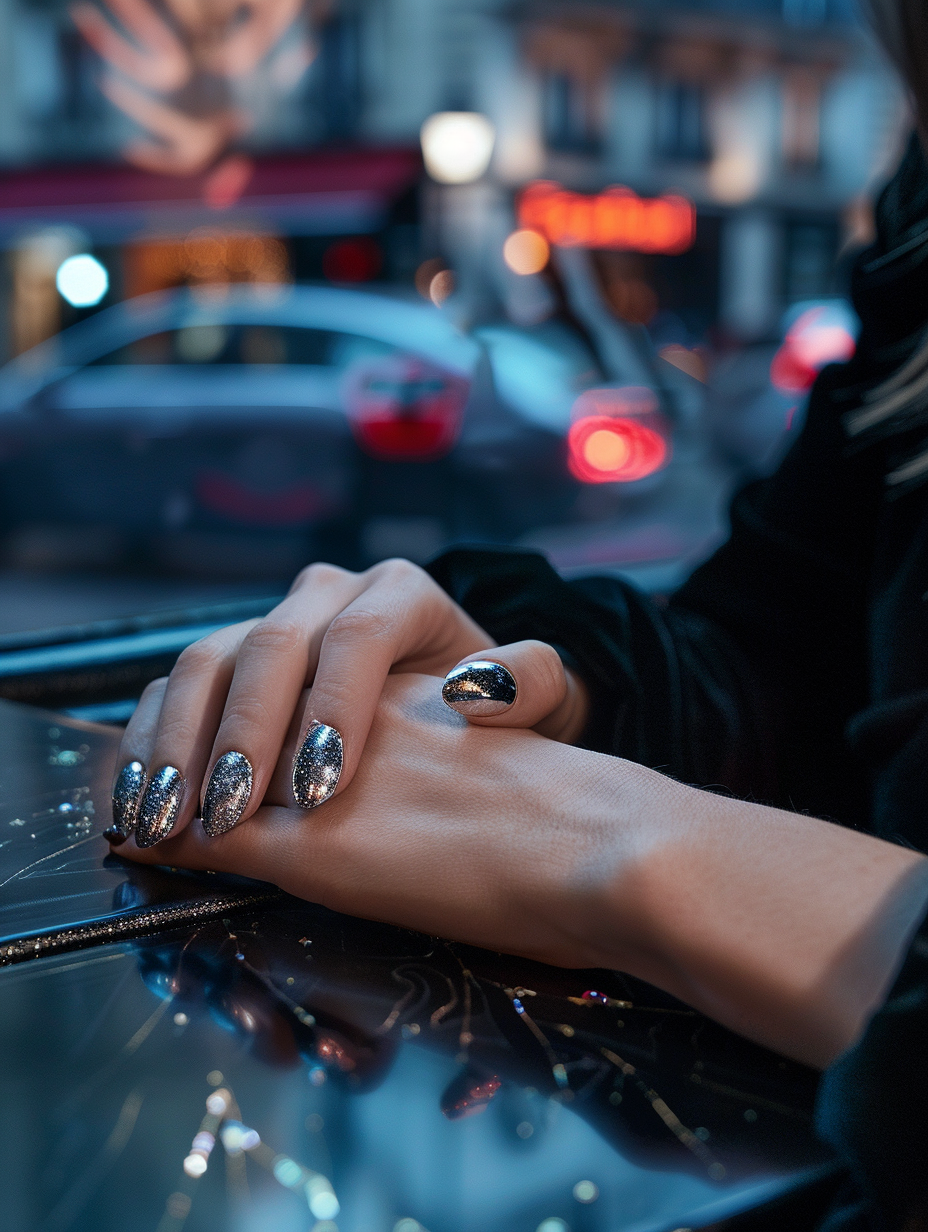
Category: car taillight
[402,409]
[817,337]
[405,438]
[618,435]
[607,449]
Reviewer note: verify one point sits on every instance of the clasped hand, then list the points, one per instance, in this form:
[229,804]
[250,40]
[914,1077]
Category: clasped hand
[781,926]
[365,655]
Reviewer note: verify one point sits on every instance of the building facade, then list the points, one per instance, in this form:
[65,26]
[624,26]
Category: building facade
[776,120]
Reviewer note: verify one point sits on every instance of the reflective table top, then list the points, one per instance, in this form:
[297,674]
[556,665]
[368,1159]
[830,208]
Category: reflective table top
[191,1053]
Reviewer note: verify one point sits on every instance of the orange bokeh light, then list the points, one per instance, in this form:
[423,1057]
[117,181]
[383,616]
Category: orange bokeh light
[605,449]
[526,252]
[616,218]
[206,256]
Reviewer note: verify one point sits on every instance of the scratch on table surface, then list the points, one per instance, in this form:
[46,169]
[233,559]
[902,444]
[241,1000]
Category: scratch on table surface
[21,872]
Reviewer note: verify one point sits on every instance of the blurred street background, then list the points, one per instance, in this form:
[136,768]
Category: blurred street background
[286,280]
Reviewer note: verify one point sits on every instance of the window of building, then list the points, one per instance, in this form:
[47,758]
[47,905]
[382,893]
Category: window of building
[805,12]
[801,110]
[571,115]
[681,129]
[810,255]
[338,76]
[72,121]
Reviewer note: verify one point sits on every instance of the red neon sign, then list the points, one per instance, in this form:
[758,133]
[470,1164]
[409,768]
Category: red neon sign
[614,218]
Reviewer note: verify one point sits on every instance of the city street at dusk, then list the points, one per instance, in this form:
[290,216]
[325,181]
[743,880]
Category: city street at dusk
[498,425]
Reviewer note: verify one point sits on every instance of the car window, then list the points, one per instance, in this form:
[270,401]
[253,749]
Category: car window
[214,342]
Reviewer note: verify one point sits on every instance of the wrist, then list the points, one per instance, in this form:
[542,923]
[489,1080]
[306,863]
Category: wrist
[590,902]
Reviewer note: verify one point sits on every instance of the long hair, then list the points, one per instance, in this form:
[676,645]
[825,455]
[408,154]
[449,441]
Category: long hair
[901,401]
[902,28]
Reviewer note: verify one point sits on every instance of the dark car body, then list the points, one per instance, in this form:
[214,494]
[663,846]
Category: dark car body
[239,431]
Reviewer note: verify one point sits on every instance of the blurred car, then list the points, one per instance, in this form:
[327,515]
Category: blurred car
[759,394]
[239,431]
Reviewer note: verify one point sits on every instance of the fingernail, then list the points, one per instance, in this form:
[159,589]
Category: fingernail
[126,796]
[227,793]
[317,767]
[159,807]
[114,837]
[480,689]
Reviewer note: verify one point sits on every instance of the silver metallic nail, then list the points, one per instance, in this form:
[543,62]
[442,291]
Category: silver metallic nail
[126,796]
[317,767]
[479,689]
[159,808]
[227,793]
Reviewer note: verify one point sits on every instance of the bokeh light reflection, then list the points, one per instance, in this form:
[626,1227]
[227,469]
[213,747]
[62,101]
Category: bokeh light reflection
[526,251]
[820,335]
[82,280]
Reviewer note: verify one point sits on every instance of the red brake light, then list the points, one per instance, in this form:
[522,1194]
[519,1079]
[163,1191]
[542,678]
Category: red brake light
[397,439]
[609,449]
[404,409]
[357,260]
[815,338]
[789,373]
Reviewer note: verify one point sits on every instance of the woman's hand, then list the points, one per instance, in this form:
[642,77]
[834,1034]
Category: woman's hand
[212,733]
[446,827]
[785,928]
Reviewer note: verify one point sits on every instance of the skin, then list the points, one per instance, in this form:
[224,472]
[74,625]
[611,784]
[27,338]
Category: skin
[782,927]
[243,689]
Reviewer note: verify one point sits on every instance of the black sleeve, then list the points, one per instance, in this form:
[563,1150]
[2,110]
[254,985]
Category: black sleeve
[746,680]
[873,1109]
[667,690]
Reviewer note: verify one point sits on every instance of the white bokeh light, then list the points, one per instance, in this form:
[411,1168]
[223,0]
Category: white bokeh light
[324,1205]
[82,280]
[457,146]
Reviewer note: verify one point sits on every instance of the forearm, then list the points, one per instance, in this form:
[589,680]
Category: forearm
[785,928]
[782,927]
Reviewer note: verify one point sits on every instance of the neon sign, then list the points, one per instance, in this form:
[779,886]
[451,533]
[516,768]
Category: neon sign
[614,218]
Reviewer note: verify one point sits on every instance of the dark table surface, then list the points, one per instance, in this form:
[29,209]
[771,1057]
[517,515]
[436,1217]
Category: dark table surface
[386,1081]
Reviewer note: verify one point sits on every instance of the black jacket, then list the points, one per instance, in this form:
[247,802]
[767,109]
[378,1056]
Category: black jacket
[792,668]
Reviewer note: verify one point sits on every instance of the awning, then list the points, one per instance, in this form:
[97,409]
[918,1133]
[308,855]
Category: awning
[330,192]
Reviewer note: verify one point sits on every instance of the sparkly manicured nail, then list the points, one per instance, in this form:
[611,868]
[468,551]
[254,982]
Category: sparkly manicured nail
[317,766]
[227,793]
[479,689]
[159,807]
[114,837]
[126,796]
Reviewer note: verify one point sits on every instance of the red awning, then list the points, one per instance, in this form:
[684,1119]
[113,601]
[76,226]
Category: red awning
[325,192]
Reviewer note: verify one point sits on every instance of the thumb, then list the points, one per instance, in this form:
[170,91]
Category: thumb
[509,686]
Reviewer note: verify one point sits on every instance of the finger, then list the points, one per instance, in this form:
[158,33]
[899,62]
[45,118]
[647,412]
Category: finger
[253,851]
[134,752]
[276,660]
[190,711]
[280,788]
[360,647]
[518,685]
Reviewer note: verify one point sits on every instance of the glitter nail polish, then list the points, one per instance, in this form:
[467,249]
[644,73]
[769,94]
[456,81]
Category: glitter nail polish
[126,796]
[159,807]
[479,689]
[227,793]
[317,766]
